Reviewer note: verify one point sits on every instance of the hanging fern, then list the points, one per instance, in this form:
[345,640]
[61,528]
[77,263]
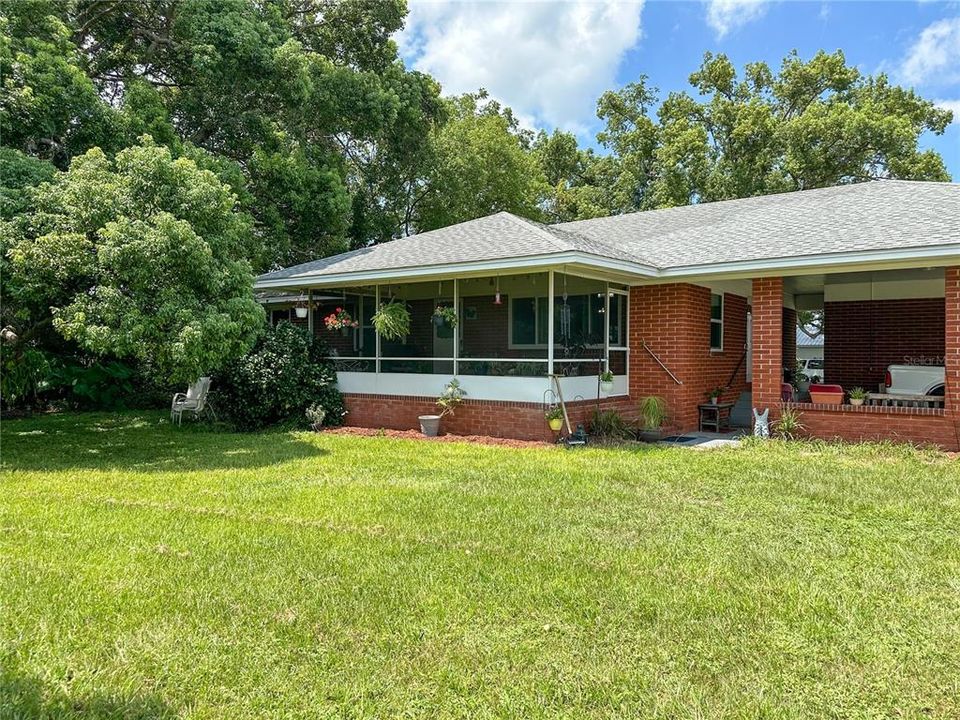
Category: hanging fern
[392,321]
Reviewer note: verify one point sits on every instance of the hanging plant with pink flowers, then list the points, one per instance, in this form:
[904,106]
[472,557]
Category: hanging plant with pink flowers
[340,319]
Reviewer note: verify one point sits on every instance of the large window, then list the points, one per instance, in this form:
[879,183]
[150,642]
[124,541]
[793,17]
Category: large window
[578,320]
[716,322]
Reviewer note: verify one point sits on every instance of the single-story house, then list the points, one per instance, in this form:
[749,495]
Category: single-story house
[673,302]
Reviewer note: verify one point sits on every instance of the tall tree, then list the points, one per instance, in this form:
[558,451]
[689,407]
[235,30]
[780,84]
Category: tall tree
[138,258]
[813,124]
[482,164]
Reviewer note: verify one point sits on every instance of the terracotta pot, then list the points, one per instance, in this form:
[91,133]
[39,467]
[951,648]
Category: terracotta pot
[429,425]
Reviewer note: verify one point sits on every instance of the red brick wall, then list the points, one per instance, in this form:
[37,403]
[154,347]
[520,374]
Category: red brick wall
[674,321]
[523,421]
[952,341]
[861,338]
[767,342]
[853,424]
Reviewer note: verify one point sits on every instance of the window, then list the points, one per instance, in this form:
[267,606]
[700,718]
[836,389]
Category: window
[579,320]
[716,322]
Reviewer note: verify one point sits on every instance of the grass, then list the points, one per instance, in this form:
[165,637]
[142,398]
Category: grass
[147,571]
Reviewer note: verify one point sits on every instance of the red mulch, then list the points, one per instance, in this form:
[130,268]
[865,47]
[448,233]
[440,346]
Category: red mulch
[446,437]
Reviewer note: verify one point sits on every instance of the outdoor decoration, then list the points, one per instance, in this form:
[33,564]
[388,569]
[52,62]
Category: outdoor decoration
[300,309]
[392,321]
[857,396]
[315,414]
[714,395]
[449,400]
[496,298]
[445,314]
[606,382]
[761,423]
[554,418]
[653,414]
[340,319]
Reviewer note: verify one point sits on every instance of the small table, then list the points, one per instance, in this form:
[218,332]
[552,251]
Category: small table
[715,417]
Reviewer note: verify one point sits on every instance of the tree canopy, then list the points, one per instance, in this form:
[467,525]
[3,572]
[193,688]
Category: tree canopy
[140,257]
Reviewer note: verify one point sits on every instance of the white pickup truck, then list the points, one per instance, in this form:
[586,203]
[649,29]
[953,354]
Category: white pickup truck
[914,380]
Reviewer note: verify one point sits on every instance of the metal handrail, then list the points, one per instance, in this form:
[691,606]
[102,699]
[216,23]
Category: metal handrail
[660,363]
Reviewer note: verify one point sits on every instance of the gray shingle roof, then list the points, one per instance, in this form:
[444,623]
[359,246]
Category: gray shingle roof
[882,215]
[498,236]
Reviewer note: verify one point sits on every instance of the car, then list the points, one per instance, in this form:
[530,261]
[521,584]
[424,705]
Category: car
[813,368]
[915,380]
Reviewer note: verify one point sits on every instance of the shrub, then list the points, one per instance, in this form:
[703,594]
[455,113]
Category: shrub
[610,424]
[653,412]
[286,372]
[788,426]
[451,398]
[106,385]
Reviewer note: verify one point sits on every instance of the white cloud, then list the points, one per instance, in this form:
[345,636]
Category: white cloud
[953,105]
[726,15]
[548,61]
[935,56]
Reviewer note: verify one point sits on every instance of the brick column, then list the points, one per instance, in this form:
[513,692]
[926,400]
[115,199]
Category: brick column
[951,355]
[767,342]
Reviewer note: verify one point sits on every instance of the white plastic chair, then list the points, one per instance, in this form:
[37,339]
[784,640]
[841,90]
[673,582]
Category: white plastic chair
[194,400]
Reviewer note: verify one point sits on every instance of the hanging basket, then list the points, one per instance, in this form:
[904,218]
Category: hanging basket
[300,311]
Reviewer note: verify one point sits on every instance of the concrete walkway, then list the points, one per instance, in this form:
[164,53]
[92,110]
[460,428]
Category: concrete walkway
[705,440]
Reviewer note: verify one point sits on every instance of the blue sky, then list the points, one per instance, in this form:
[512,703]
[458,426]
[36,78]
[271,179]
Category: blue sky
[551,60]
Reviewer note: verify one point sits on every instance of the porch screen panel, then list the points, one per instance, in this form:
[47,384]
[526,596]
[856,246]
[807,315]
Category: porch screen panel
[503,325]
[428,346]
[352,348]
[579,324]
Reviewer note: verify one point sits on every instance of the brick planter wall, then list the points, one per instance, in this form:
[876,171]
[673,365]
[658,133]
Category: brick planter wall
[920,426]
[518,420]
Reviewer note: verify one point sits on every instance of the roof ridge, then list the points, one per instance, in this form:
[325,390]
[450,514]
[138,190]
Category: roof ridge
[541,229]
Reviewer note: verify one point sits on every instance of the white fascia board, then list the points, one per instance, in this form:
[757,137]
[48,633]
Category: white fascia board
[639,273]
[935,255]
[485,267]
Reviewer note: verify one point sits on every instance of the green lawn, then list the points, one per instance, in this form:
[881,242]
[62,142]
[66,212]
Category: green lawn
[147,571]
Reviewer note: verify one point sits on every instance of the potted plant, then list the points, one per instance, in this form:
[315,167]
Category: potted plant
[300,309]
[713,396]
[315,414]
[653,414]
[606,382]
[445,315]
[857,396]
[555,418]
[449,400]
[392,321]
[340,319]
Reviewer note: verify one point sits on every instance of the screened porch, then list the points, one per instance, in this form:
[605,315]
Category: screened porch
[505,338]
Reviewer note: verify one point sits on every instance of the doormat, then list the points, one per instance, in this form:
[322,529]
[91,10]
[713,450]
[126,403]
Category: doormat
[679,439]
